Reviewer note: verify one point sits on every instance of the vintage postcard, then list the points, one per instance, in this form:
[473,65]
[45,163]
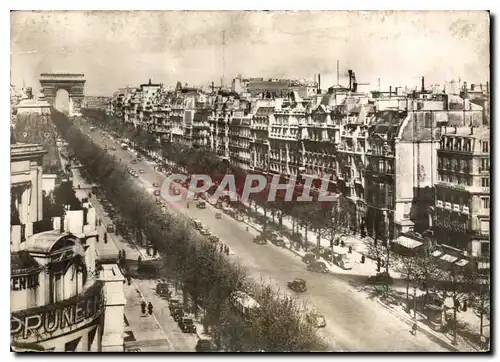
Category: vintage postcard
[250,181]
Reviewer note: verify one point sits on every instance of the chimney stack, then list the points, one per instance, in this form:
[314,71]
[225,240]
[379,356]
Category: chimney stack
[350,78]
[423,85]
[390,91]
[319,83]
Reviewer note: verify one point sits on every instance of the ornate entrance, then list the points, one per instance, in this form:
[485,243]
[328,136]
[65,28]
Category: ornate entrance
[73,83]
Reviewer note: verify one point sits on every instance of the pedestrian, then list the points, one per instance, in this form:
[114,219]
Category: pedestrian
[362,259]
[247,228]
[105,238]
[382,263]
[143,307]
[129,280]
[350,249]
[227,251]
[124,253]
[155,251]
[139,260]
[150,308]
[342,244]
[464,308]
[221,248]
[414,329]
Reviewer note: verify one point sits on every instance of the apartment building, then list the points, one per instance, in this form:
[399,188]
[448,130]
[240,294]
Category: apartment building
[262,112]
[463,203]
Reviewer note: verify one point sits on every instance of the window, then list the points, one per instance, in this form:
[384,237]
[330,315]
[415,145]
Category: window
[428,120]
[486,147]
[485,164]
[440,162]
[485,182]
[381,165]
[486,202]
[485,249]
[469,181]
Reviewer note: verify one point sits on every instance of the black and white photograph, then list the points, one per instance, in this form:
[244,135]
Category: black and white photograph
[250,181]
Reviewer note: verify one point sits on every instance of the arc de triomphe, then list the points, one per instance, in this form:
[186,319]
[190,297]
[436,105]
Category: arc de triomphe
[73,83]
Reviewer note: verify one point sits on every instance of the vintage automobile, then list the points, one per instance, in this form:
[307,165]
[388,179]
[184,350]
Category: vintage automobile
[309,258]
[380,278]
[201,205]
[260,240]
[113,148]
[213,238]
[133,162]
[218,215]
[162,290]
[141,170]
[177,314]
[187,325]
[156,192]
[278,241]
[318,267]
[205,345]
[156,184]
[173,304]
[297,285]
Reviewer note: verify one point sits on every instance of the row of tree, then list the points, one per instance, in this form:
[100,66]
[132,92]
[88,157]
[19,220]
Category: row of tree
[204,273]
[328,219]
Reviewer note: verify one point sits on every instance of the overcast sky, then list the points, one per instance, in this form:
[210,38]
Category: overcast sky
[121,48]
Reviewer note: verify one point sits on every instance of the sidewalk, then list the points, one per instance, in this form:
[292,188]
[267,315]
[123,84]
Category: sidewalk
[143,333]
[445,339]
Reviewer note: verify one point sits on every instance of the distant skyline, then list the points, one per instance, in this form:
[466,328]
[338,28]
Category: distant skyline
[119,48]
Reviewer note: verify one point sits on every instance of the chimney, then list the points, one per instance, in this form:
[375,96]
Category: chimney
[319,83]
[212,87]
[149,81]
[423,85]
[350,78]
[390,91]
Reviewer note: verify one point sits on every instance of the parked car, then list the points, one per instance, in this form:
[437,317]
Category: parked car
[380,278]
[156,184]
[187,325]
[136,174]
[178,313]
[297,285]
[113,148]
[173,304]
[156,192]
[205,232]
[317,267]
[141,170]
[309,258]
[260,240]
[162,290]
[214,239]
[134,162]
[278,241]
[205,345]
[201,205]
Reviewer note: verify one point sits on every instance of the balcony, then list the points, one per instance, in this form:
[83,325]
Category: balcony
[465,210]
[447,205]
[439,203]
[456,207]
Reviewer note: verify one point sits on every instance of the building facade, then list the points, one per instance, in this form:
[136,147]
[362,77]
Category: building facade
[59,294]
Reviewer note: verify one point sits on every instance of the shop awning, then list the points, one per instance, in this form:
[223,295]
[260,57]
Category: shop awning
[449,258]
[407,242]
[462,262]
[436,253]
[22,263]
